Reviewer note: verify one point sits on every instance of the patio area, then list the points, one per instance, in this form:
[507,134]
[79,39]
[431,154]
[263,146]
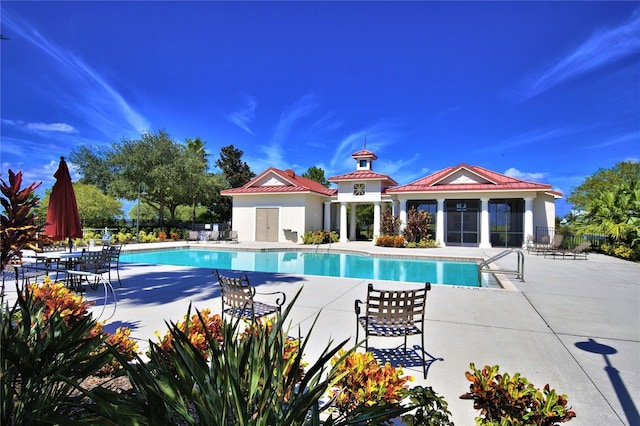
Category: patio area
[573,324]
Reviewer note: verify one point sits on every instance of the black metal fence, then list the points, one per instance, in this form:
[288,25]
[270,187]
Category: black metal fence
[570,239]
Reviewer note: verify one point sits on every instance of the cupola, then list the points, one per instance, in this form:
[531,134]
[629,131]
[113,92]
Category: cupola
[364,159]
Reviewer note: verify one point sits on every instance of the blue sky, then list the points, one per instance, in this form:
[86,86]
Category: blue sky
[544,91]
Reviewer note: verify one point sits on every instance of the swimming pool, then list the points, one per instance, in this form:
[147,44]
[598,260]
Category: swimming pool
[344,265]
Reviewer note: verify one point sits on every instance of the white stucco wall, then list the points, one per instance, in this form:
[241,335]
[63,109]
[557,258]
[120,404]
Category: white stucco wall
[296,212]
[372,192]
[544,211]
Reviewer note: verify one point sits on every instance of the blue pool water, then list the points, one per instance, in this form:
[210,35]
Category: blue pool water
[310,263]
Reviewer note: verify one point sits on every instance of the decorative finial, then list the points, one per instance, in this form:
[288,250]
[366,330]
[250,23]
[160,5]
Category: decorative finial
[365,142]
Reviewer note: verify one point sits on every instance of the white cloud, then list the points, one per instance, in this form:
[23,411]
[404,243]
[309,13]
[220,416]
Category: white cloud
[528,176]
[245,114]
[275,149]
[51,127]
[602,48]
[108,108]
[620,139]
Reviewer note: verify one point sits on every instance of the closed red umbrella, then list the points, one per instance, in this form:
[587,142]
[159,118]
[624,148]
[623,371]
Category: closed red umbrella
[63,219]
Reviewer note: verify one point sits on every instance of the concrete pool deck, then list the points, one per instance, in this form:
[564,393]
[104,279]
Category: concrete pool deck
[573,324]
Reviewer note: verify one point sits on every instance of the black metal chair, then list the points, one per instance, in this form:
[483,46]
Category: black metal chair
[113,254]
[238,298]
[393,313]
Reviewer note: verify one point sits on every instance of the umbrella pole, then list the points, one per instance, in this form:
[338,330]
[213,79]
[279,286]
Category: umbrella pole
[70,245]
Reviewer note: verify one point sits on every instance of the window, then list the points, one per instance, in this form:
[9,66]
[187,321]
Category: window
[358,189]
[363,164]
[506,222]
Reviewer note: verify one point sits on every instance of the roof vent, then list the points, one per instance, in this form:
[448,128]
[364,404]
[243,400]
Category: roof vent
[290,173]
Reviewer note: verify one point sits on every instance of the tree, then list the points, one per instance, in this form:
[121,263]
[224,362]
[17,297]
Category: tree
[95,207]
[317,174]
[611,201]
[172,173]
[235,173]
[93,163]
[615,213]
[624,172]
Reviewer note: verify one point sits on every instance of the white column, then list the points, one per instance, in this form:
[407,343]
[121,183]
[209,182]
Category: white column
[343,223]
[403,214]
[327,216]
[352,223]
[376,220]
[485,238]
[440,222]
[528,220]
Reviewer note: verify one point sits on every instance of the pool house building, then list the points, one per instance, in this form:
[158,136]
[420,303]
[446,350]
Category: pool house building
[469,205]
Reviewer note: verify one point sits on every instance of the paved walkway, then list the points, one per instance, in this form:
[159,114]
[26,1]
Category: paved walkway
[574,324]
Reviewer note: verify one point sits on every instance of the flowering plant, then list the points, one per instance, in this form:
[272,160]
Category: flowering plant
[73,309]
[57,298]
[194,327]
[363,381]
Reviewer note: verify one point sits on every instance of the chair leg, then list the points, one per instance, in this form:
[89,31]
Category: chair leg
[424,363]
[117,274]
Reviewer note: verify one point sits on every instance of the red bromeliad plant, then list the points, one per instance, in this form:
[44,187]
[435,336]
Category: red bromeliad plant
[364,382]
[18,224]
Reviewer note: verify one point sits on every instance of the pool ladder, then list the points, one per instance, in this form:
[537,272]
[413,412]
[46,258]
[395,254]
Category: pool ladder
[519,272]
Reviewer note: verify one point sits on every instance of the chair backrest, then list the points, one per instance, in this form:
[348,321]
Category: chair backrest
[397,307]
[236,292]
[557,240]
[582,247]
[93,261]
[114,253]
[52,248]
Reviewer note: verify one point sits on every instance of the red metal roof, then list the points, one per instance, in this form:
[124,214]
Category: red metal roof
[365,153]
[363,175]
[291,184]
[486,180]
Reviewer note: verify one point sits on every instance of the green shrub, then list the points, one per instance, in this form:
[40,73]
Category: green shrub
[320,237]
[621,250]
[433,409]
[427,242]
[45,356]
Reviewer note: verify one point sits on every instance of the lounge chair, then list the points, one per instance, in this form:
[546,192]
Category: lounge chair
[238,298]
[393,313]
[192,235]
[580,251]
[232,237]
[538,247]
[554,246]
